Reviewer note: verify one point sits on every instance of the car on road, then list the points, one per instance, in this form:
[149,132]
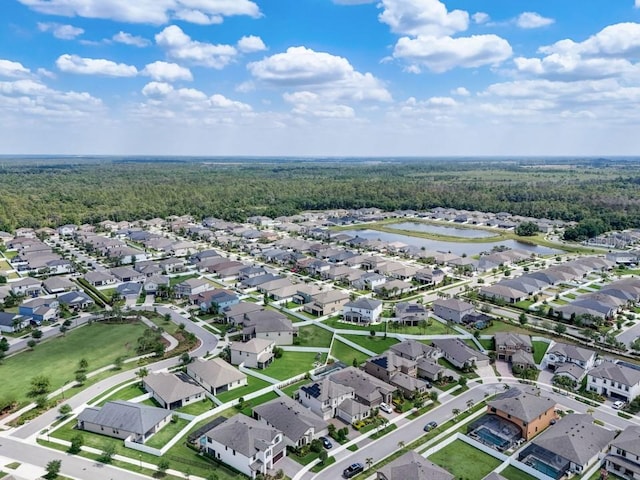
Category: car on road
[430,426]
[326,443]
[386,408]
[352,470]
[618,404]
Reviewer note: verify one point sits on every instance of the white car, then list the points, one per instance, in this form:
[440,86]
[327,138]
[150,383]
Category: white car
[386,408]
[618,404]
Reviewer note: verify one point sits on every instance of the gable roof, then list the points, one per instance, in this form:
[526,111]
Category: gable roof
[170,387]
[628,440]
[617,373]
[453,304]
[364,385]
[571,351]
[243,434]
[364,303]
[126,416]
[412,349]
[412,466]
[510,339]
[290,417]
[255,345]
[458,350]
[326,389]
[522,405]
[216,372]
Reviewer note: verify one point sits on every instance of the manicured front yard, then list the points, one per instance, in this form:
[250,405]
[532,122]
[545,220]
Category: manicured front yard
[513,473]
[252,385]
[377,344]
[57,359]
[464,461]
[539,349]
[314,336]
[347,354]
[160,439]
[292,364]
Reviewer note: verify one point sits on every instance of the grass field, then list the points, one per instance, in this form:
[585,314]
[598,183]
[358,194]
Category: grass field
[160,439]
[291,364]
[434,328]
[376,344]
[4,266]
[132,391]
[539,349]
[499,326]
[513,473]
[464,461]
[197,408]
[314,336]
[100,344]
[253,384]
[346,354]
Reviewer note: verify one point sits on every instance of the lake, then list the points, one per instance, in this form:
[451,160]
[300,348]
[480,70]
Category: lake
[457,248]
[441,230]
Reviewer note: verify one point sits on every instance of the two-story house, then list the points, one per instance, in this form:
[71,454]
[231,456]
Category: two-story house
[256,353]
[452,309]
[362,311]
[268,325]
[530,412]
[327,303]
[559,353]
[400,372]
[623,459]
[411,313]
[40,309]
[324,397]
[614,380]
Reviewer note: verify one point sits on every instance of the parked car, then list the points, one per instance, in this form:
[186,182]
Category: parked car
[386,408]
[352,470]
[618,404]
[326,443]
[430,426]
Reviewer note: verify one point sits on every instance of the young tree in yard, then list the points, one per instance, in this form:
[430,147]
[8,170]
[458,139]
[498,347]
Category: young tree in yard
[81,377]
[117,363]
[53,469]
[462,381]
[63,330]
[41,401]
[355,362]
[32,344]
[560,328]
[185,358]
[322,456]
[40,385]
[163,466]
[523,319]
[369,462]
[83,365]
[37,334]
[76,444]
[107,454]
[141,373]
[65,409]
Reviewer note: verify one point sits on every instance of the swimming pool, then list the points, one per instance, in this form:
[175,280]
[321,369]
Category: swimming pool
[543,467]
[492,439]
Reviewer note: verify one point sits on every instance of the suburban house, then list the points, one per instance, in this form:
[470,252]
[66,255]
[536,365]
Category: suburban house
[429,276]
[614,380]
[502,292]
[571,371]
[237,313]
[452,309]
[560,353]
[529,411]
[368,390]
[572,445]
[459,354]
[125,420]
[363,310]
[268,325]
[127,274]
[412,466]
[12,322]
[75,300]
[191,287]
[256,353]
[245,444]
[217,299]
[40,309]
[153,283]
[393,288]
[414,350]
[129,290]
[173,390]
[326,303]
[411,313]
[514,348]
[369,281]
[397,371]
[298,424]
[216,375]
[324,397]
[27,287]
[623,459]
[58,285]
[98,279]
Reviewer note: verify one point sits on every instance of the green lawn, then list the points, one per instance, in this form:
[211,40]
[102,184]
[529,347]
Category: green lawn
[255,402]
[499,326]
[346,354]
[539,349]
[513,473]
[291,364]
[197,408]
[100,344]
[464,461]
[160,439]
[487,343]
[434,327]
[4,266]
[253,384]
[289,390]
[377,344]
[583,290]
[314,336]
[176,280]
[570,296]
[127,393]
[11,254]
[524,304]
[108,293]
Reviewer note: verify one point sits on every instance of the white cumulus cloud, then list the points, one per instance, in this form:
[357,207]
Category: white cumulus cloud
[12,69]
[422,17]
[533,20]
[94,66]
[63,32]
[166,71]
[460,91]
[480,18]
[180,46]
[129,39]
[250,44]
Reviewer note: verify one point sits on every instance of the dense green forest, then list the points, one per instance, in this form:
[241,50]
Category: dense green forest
[51,192]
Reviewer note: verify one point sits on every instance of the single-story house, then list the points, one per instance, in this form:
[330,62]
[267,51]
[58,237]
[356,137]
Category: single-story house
[216,375]
[173,390]
[412,466]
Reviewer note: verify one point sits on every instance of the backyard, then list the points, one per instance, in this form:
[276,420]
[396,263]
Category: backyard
[464,461]
[292,364]
[513,473]
[253,384]
[539,349]
[314,336]
[132,391]
[347,354]
[377,344]
[57,359]
[160,439]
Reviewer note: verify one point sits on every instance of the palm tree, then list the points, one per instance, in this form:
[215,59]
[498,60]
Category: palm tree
[401,445]
[141,373]
[369,462]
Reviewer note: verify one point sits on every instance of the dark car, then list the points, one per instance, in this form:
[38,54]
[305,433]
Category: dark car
[352,470]
[430,426]
[326,443]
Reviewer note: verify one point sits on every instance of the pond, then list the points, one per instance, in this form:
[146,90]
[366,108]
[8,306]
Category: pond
[442,230]
[457,248]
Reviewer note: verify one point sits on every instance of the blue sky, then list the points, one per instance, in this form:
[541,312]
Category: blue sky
[320,77]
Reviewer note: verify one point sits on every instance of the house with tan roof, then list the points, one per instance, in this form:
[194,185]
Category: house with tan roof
[173,390]
[256,353]
[216,375]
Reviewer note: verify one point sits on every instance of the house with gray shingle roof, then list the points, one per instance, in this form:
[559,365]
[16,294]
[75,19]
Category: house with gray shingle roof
[571,445]
[560,353]
[363,311]
[216,375]
[324,397]
[397,371]
[459,354]
[256,353]
[528,410]
[298,424]
[412,466]
[125,420]
[614,380]
[249,446]
[368,390]
[173,390]
[623,459]
[269,325]
[452,309]
[414,350]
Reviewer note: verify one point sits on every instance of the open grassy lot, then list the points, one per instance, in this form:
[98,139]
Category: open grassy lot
[314,336]
[132,391]
[100,344]
[539,349]
[376,344]
[513,473]
[346,354]
[291,364]
[160,439]
[253,384]
[464,461]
